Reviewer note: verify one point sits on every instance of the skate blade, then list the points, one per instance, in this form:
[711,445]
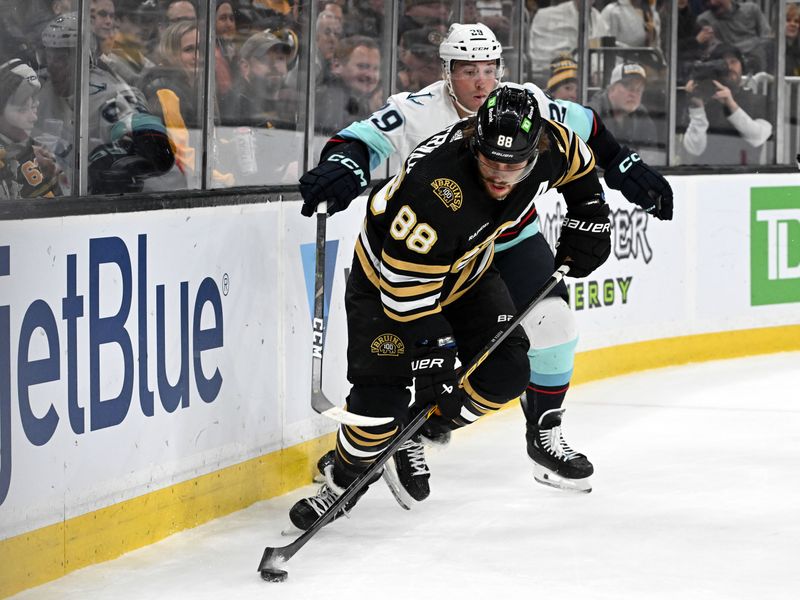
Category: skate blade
[394,485]
[547,477]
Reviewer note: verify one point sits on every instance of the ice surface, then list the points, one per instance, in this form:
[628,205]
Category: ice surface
[696,495]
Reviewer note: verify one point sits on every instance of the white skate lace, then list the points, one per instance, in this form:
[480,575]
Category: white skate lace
[323,500]
[327,494]
[553,442]
[416,457]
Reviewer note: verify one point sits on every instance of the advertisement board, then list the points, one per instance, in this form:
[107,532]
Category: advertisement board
[133,352]
[142,350]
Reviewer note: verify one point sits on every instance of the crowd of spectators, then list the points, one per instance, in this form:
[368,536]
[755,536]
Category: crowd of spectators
[146,78]
[724,48]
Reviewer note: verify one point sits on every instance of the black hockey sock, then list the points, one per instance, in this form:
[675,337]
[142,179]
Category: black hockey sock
[541,398]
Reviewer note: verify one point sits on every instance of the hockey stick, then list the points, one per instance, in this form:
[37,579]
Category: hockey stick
[320,402]
[274,557]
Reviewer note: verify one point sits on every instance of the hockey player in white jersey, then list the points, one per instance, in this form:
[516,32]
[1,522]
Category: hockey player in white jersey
[127,144]
[472,66]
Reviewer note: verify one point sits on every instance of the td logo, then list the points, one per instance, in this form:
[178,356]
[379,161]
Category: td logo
[774,245]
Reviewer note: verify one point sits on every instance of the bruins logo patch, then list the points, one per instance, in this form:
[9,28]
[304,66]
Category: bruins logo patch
[388,344]
[448,192]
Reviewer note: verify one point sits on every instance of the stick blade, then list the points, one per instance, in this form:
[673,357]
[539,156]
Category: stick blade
[324,407]
[268,567]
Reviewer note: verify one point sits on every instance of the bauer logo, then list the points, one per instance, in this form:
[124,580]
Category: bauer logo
[774,245]
[91,344]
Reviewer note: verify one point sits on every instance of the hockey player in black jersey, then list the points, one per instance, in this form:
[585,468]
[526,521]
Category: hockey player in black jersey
[472,66]
[424,289]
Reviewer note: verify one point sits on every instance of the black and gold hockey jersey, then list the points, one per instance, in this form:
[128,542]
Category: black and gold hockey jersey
[21,175]
[429,232]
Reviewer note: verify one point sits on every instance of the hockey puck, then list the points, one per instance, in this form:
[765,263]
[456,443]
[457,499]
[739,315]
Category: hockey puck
[274,574]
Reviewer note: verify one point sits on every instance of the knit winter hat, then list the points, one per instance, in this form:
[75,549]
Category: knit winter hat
[562,69]
[18,82]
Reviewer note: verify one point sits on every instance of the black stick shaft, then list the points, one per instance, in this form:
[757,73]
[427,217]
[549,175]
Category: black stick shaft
[272,557]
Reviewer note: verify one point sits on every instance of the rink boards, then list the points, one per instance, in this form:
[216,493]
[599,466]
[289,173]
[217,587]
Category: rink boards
[155,366]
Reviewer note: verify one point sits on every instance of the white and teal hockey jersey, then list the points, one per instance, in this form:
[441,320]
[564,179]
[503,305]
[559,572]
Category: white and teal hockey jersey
[408,118]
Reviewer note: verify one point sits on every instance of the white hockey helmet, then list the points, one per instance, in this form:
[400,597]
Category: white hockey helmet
[61,32]
[470,42]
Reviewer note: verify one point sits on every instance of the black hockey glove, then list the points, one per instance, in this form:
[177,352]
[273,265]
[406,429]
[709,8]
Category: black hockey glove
[585,237]
[436,378]
[114,170]
[339,178]
[640,183]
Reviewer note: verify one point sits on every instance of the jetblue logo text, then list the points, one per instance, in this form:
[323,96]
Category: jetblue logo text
[81,316]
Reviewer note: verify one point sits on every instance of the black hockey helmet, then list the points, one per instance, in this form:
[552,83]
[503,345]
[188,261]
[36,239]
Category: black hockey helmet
[508,126]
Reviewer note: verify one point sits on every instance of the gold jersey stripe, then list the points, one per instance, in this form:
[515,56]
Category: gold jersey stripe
[366,265]
[425,289]
[342,454]
[479,401]
[409,267]
[371,436]
[577,167]
[359,442]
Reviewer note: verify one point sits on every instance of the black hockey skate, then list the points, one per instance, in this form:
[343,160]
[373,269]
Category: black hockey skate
[436,431]
[306,511]
[407,474]
[554,462]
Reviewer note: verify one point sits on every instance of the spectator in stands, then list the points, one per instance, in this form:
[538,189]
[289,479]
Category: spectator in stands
[175,11]
[554,31]
[365,17]
[424,13]
[563,82]
[793,40]
[496,15]
[171,89]
[127,144]
[419,59]
[620,106]
[329,32]
[225,52]
[27,169]
[334,8]
[633,23]
[740,24]
[102,15]
[727,123]
[131,47]
[180,10]
[59,7]
[253,16]
[694,42]
[350,94]
[259,96]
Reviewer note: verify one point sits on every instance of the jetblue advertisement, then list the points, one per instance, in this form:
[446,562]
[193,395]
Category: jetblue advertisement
[127,351]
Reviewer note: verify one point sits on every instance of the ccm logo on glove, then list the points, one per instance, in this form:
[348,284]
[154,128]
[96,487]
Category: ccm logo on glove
[627,163]
[350,164]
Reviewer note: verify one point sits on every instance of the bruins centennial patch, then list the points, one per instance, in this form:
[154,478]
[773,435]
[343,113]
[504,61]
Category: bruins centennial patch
[448,192]
[388,344]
